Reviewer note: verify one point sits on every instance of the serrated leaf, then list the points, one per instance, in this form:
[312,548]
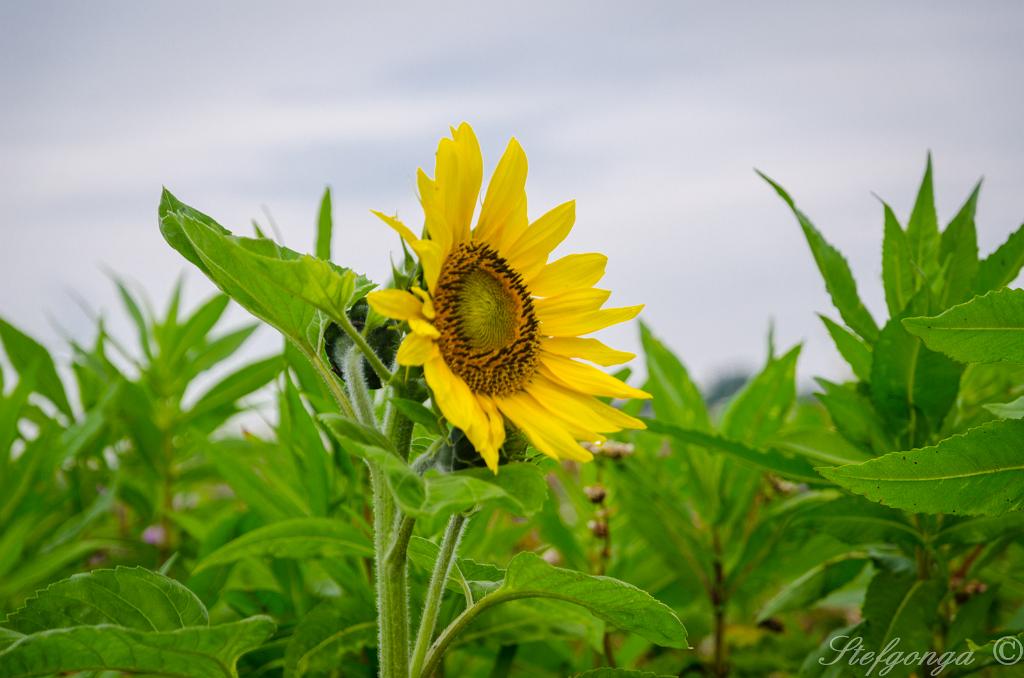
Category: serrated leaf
[855,352]
[978,472]
[958,253]
[898,275]
[277,285]
[923,226]
[986,329]
[126,596]
[191,652]
[296,539]
[899,605]
[620,604]
[835,271]
[1002,266]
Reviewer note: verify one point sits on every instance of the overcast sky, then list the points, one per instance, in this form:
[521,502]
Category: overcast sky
[651,115]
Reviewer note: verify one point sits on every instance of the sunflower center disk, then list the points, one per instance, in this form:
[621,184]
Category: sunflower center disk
[485,317]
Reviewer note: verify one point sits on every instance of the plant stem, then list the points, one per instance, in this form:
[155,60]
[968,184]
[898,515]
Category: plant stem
[435,590]
[355,382]
[376,364]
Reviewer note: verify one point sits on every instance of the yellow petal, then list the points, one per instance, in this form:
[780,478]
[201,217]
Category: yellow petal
[458,174]
[420,326]
[586,379]
[433,211]
[488,439]
[397,304]
[431,258]
[416,349]
[571,326]
[403,230]
[588,349]
[570,272]
[428,305]
[545,432]
[503,215]
[453,396]
[572,406]
[572,304]
[530,252]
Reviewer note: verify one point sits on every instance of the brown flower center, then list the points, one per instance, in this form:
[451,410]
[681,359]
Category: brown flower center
[489,332]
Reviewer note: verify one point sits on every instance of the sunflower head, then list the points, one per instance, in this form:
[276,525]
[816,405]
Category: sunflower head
[498,328]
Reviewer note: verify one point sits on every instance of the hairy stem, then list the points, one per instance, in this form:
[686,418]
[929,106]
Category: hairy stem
[376,364]
[355,382]
[435,590]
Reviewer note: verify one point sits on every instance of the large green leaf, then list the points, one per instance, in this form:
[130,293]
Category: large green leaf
[191,652]
[836,272]
[126,596]
[620,604]
[986,329]
[296,539]
[775,461]
[1002,266]
[854,416]
[277,285]
[978,472]
[898,605]
[28,355]
[854,520]
[676,397]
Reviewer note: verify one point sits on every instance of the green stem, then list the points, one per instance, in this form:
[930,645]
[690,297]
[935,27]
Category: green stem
[355,382]
[435,590]
[440,646]
[376,364]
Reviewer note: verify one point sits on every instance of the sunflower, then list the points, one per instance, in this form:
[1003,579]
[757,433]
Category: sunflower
[497,329]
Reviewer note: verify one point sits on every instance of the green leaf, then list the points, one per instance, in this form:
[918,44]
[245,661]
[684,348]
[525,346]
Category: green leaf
[980,530]
[958,253]
[821,446]
[923,226]
[261,475]
[855,352]
[899,277]
[898,605]
[465,573]
[277,285]
[26,354]
[617,603]
[986,329]
[1011,410]
[332,630]
[978,472]
[813,585]
[324,227]
[296,539]
[418,413]
[126,596]
[760,409]
[617,673]
[132,306]
[676,397]
[854,520]
[236,385]
[771,460]
[1002,267]
[836,272]
[910,382]
[192,652]
[854,416]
